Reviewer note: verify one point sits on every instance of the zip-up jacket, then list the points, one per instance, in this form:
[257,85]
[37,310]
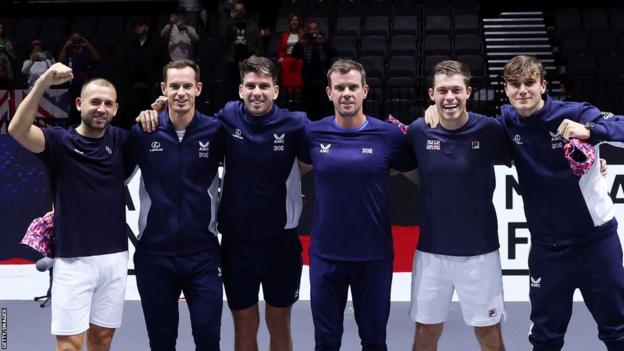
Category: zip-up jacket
[561,208]
[262,188]
[179,185]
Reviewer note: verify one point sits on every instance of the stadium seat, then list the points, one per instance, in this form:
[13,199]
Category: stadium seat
[349,8]
[346,46]
[468,44]
[401,66]
[403,45]
[376,25]
[467,24]
[405,8]
[373,45]
[437,25]
[348,26]
[405,25]
[437,44]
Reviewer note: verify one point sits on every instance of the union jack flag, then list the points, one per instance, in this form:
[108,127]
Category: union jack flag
[53,105]
[433,145]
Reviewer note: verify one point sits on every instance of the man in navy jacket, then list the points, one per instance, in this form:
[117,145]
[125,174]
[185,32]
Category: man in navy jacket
[178,250]
[574,237]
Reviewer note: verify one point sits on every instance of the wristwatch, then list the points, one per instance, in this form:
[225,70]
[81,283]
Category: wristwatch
[589,126]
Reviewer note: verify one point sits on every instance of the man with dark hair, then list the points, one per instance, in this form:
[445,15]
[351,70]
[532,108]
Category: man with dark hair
[317,54]
[458,247]
[574,239]
[86,171]
[178,250]
[351,246]
[258,214]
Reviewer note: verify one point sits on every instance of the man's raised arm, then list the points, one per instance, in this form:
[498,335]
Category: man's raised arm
[21,127]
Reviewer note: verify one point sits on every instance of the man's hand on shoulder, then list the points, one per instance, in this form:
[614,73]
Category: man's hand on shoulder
[432,117]
[148,119]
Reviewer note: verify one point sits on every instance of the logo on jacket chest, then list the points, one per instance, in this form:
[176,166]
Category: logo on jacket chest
[238,134]
[278,143]
[432,145]
[155,147]
[325,148]
[556,141]
[204,149]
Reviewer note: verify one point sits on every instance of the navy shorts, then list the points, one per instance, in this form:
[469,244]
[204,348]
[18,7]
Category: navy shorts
[275,264]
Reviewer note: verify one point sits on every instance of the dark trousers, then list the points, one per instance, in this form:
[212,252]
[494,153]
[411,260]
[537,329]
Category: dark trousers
[160,279]
[370,283]
[595,268]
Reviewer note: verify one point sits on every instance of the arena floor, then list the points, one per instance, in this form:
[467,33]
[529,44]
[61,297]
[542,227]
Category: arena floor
[28,329]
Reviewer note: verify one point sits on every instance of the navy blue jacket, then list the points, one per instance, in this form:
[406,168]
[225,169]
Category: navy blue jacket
[560,207]
[179,188]
[261,189]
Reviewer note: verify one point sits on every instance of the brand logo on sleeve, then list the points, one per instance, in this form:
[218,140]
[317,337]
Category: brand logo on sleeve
[155,147]
[78,151]
[433,145]
[325,148]
[367,150]
[517,139]
[536,282]
[238,134]
[204,149]
[109,150]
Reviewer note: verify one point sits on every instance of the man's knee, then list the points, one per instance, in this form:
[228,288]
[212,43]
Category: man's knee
[427,336]
[247,320]
[490,338]
[99,338]
[69,342]
[277,318]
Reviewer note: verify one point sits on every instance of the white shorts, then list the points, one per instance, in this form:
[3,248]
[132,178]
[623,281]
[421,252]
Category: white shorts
[87,290]
[477,279]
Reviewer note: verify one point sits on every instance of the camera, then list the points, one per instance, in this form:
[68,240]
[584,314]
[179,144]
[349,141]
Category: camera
[310,36]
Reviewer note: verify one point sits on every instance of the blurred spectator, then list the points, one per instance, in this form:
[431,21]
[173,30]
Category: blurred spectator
[80,55]
[6,59]
[242,38]
[290,67]
[317,55]
[179,36]
[37,62]
[192,9]
[141,58]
